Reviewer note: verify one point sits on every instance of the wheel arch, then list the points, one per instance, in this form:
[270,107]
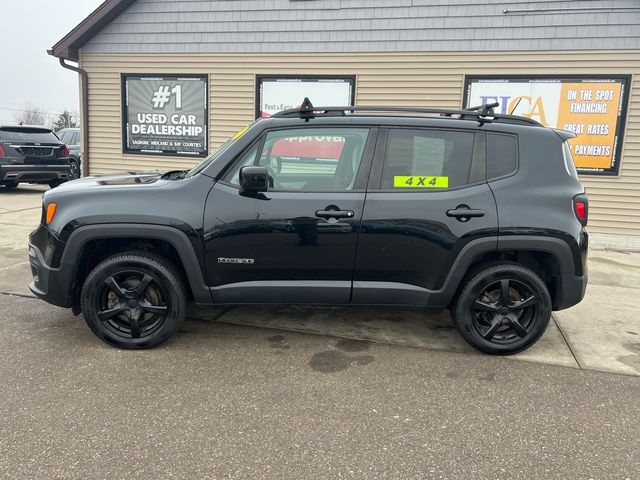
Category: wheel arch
[550,258]
[90,244]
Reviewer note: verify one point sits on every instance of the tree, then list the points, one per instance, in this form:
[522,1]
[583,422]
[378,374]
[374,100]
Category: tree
[65,120]
[31,115]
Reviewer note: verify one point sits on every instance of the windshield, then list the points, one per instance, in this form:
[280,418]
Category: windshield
[213,156]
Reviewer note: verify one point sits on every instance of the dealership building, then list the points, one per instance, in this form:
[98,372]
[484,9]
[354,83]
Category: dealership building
[164,82]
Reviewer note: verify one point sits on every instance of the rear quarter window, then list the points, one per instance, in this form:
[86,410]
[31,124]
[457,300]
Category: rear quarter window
[39,135]
[502,154]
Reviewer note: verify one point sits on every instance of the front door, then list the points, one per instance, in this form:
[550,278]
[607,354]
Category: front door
[427,199]
[297,242]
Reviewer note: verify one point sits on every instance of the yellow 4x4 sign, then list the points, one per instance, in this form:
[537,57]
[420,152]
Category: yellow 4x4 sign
[416,181]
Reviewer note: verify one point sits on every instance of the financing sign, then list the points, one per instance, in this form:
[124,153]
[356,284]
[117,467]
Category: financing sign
[594,108]
[165,114]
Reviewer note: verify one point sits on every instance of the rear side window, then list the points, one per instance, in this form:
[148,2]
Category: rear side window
[426,159]
[25,134]
[501,155]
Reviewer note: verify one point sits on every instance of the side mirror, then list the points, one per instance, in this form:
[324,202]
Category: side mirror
[253,179]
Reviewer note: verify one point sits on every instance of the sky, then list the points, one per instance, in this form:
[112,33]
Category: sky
[28,28]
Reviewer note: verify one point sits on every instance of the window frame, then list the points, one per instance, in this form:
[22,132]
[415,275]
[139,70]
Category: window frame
[360,184]
[517,162]
[478,160]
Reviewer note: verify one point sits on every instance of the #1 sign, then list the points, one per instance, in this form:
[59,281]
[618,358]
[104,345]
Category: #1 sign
[165,114]
[594,108]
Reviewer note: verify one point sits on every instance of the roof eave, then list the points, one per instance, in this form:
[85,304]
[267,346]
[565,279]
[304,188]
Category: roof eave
[68,47]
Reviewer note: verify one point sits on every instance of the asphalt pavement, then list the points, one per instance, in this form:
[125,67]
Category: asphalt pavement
[225,401]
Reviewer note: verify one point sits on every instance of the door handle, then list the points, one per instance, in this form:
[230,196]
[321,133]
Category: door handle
[335,213]
[463,213]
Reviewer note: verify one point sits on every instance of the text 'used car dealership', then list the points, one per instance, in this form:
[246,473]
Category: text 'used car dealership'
[165,83]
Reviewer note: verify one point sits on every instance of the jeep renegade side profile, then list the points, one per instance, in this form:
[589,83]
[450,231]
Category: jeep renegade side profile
[468,210]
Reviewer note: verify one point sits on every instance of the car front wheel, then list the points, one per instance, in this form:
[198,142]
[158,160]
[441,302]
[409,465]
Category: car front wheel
[134,300]
[503,309]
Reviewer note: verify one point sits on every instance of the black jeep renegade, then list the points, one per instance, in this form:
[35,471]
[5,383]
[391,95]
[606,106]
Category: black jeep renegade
[468,210]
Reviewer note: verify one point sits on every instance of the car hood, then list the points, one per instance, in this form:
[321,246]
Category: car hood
[111,182]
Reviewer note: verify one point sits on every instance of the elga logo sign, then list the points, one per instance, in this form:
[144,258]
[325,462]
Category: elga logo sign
[527,106]
[592,108]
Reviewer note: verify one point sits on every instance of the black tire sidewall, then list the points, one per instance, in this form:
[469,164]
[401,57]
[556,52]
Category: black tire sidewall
[176,300]
[74,174]
[463,317]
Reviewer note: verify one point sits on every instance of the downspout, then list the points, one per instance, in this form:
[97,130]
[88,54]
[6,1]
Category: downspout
[84,119]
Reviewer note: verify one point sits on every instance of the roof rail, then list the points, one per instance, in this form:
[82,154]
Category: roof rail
[481,113]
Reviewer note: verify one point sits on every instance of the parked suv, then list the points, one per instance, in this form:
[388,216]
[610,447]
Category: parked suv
[71,138]
[33,155]
[473,211]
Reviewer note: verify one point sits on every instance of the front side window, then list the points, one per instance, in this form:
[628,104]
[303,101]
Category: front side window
[308,159]
[423,159]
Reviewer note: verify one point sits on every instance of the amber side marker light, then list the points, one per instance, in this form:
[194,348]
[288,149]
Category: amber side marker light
[51,211]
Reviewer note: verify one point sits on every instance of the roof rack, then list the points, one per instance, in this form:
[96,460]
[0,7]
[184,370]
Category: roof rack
[481,113]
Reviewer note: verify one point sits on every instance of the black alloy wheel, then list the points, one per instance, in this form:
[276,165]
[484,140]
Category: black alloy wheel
[134,300]
[74,172]
[503,309]
[132,304]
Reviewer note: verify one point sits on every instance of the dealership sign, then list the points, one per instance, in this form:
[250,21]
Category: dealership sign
[594,108]
[275,93]
[165,114]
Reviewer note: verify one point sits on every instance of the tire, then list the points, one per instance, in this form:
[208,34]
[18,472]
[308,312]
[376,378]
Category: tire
[74,172]
[122,314]
[10,184]
[503,309]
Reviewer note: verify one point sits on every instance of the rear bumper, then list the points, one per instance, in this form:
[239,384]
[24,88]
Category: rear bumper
[570,292]
[34,173]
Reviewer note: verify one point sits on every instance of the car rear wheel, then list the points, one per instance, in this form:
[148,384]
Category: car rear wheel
[134,300]
[503,309]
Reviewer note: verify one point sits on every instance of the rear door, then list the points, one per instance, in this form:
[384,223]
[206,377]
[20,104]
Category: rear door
[427,198]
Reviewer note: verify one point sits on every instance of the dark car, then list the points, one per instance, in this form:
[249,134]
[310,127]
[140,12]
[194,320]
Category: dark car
[32,154]
[468,210]
[71,138]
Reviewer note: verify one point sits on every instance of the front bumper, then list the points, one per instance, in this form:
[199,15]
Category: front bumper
[51,284]
[34,173]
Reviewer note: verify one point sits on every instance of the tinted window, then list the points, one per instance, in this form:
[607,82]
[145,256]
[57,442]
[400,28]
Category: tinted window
[427,159]
[309,159]
[501,155]
[25,134]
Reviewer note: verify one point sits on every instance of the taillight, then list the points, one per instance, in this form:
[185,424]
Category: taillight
[2,154]
[65,151]
[581,208]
